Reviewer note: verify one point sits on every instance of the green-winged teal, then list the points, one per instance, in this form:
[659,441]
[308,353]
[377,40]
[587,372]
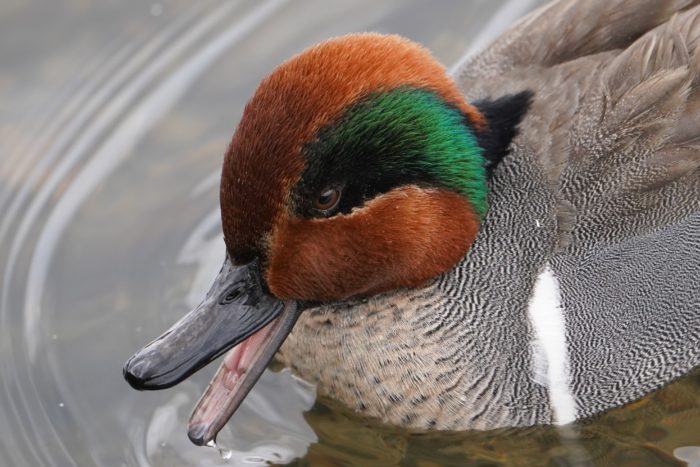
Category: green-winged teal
[514,245]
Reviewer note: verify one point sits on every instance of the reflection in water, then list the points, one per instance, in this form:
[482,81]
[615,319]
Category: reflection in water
[645,433]
[689,454]
[113,122]
[277,434]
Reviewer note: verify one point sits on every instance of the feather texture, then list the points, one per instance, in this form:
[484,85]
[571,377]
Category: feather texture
[601,191]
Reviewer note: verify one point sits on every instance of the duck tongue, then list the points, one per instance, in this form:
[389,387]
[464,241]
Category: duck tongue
[237,374]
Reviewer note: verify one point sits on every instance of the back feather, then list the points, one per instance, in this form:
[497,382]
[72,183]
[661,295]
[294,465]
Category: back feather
[569,29]
[614,128]
[635,144]
[615,118]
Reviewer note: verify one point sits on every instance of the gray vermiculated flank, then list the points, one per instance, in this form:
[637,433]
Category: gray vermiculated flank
[603,184]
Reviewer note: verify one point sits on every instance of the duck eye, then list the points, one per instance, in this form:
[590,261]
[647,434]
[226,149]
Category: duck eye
[328,199]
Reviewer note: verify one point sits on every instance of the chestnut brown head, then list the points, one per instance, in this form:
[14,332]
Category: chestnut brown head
[356,169]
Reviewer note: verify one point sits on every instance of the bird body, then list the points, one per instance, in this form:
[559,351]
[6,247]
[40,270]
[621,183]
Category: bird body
[597,205]
[517,246]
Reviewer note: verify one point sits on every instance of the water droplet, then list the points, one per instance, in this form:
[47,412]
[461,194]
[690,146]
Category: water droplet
[225,454]
[54,337]
[61,404]
[139,328]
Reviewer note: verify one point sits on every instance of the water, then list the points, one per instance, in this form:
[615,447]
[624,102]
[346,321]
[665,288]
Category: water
[113,122]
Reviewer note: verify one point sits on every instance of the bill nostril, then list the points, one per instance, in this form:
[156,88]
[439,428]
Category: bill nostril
[230,295]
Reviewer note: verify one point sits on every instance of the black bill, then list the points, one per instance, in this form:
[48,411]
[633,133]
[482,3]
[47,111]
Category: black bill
[236,313]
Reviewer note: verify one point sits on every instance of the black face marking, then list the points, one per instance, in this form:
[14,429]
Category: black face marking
[502,116]
[360,169]
[363,159]
[370,158]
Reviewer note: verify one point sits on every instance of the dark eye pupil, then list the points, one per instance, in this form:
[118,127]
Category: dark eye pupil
[327,200]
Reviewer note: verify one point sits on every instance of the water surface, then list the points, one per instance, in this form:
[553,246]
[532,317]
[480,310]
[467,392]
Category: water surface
[114,117]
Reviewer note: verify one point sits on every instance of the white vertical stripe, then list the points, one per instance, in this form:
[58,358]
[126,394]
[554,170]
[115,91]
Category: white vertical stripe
[550,355]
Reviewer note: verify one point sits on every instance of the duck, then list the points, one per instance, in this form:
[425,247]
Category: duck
[511,244]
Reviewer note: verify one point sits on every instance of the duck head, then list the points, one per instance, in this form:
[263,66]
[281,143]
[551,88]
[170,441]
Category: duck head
[357,168]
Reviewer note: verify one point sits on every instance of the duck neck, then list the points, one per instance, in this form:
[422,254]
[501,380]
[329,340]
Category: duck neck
[456,354]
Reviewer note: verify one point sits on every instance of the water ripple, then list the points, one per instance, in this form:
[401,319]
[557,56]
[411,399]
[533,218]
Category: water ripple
[113,113]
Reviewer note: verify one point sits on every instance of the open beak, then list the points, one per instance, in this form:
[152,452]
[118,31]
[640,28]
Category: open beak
[236,313]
